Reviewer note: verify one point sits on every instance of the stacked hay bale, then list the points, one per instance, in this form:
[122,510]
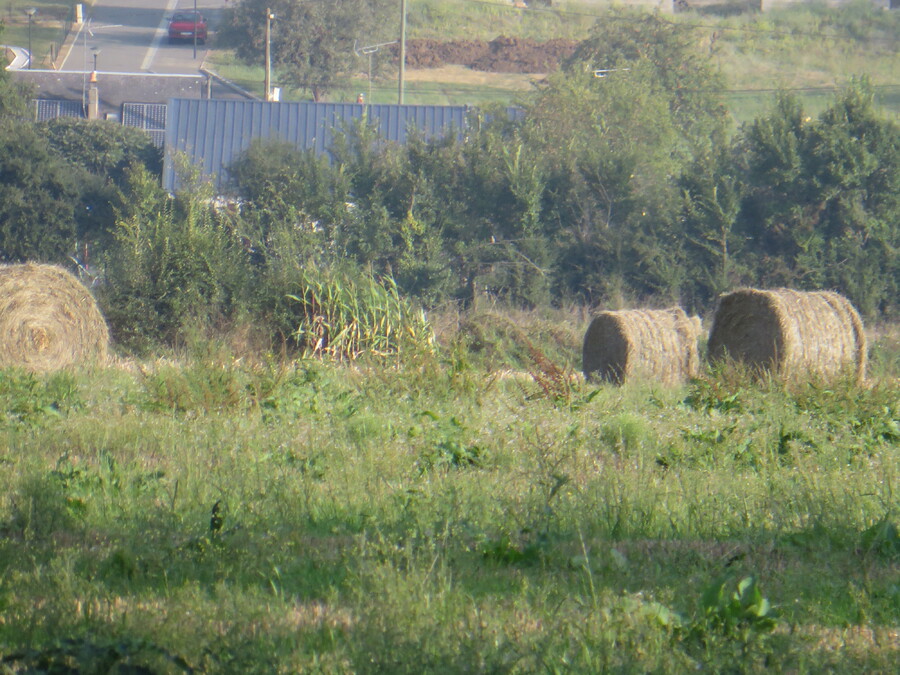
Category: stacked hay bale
[789,333]
[48,320]
[641,344]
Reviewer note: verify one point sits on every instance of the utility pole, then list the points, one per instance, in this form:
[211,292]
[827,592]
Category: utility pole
[269,17]
[402,51]
[368,51]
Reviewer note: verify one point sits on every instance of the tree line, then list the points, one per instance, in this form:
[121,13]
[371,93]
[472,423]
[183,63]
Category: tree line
[624,189]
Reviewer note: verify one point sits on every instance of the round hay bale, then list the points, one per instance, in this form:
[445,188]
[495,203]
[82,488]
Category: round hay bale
[48,319]
[789,332]
[649,344]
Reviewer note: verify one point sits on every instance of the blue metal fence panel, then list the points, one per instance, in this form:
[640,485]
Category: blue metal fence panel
[213,133]
[46,110]
[151,117]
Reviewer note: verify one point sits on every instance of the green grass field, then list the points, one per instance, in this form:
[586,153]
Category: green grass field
[468,511]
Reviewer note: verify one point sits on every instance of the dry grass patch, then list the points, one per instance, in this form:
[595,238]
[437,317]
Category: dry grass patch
[860,642]
[463,75]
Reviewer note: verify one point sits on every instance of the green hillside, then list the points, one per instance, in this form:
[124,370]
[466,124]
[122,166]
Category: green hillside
[810,49]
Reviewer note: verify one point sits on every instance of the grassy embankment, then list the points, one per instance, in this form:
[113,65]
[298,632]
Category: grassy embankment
[811,50]
[436,515]
[47,26]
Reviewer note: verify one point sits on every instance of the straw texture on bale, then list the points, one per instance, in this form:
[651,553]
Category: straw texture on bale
[48,319]
[649,344]
[787,332]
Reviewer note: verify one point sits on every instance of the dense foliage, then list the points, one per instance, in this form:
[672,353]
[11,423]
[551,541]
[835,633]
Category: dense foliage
[600,194]
[38,198]
[172,266]
[98,155]
[822,198]
[62,183]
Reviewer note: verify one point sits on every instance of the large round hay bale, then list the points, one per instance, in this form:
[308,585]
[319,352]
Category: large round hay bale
[48,319]
[658,345]
[789,333]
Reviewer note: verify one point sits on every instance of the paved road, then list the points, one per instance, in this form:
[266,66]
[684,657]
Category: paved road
[131,36]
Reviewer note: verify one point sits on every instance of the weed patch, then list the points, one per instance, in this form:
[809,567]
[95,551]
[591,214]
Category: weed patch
[27,399]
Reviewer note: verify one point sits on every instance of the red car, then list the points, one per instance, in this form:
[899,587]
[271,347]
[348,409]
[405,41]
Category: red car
[184,25]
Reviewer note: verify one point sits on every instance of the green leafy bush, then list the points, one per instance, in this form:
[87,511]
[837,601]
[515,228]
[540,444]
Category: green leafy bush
[174,265]
[736,608]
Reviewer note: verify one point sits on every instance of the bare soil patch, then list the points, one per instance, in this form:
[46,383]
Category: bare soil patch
[500,55]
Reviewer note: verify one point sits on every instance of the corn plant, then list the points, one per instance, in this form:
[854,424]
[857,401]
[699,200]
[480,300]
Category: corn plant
[345,315]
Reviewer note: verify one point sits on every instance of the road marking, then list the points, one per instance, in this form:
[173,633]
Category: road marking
[161,32]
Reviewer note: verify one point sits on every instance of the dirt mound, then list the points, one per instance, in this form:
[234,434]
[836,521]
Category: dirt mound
[500,55]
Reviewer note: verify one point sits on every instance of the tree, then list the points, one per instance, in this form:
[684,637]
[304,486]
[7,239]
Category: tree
[499,231]
[103,148]
[37,193]
[682,69]
[37,198]
[397,215]
[712,193]
[312,42]
[610,149]
[854,167]
[174,266]
[772,155]
[821,198]
[100,154]
[280,186]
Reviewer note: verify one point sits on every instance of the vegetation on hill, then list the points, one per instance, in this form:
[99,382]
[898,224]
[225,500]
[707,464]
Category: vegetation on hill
[313,44]
[810,49]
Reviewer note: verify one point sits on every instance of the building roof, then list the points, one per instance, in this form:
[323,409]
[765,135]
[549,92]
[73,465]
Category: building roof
[214,133]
